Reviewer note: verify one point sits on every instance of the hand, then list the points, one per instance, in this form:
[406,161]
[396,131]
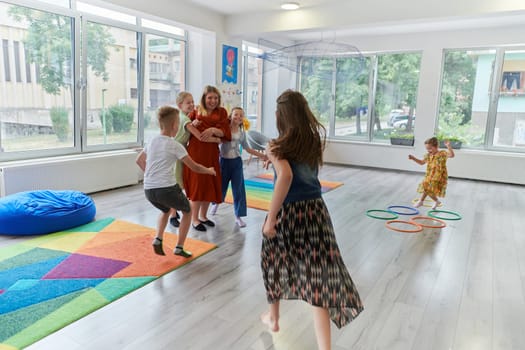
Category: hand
[211,171]
[266,163]
[196,122]
[447,143]
[411,157]
[269,228]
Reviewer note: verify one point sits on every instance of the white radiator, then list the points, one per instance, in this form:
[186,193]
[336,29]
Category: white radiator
[87,173]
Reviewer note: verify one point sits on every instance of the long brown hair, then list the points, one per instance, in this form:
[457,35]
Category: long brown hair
[301,137]
[207,90]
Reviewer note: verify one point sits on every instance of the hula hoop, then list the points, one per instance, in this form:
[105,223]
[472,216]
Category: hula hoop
[426,203]
[414,211]
[418,228]
[441,223]
[392,216]
[432,214]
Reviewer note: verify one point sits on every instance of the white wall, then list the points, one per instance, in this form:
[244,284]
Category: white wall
[482,165]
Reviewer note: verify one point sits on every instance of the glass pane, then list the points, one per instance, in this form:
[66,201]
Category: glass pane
[164,77]
[465,96]
[111,85]
[316,86]
[36,74]
[396,94]
[104,12]
[351,97]
[509,130]
[252,95]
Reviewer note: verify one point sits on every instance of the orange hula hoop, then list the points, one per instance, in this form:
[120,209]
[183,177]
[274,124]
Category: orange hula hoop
[418,229]
[414,219]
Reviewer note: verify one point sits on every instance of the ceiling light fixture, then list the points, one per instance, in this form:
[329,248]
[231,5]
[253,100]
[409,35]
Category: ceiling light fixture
[290,5]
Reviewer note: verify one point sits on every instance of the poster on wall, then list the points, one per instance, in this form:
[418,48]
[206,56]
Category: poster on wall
[229,64]
[519,132]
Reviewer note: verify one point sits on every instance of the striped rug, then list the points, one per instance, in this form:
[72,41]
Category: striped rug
[259,190]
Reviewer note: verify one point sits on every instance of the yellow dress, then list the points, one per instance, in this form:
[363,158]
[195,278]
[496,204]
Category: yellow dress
[435,181]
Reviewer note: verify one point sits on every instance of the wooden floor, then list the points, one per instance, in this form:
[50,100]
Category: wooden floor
[461,288]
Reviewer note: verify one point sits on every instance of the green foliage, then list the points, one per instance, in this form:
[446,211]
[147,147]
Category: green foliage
[60,121]
[106,117]
[147,119]
[457,90]
[121,117]
[49,46]
[401,135]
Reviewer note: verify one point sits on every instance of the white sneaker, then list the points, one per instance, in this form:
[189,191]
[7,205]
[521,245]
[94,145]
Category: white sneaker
[418,204]
[436,205]
[239,222]
[214,208]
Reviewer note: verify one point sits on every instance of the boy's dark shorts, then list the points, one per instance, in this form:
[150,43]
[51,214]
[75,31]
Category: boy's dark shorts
[165,198]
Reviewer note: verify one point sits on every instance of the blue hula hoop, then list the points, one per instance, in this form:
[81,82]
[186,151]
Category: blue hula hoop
[412,210]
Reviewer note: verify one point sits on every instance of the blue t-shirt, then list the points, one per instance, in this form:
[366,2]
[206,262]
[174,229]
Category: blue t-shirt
[305,184]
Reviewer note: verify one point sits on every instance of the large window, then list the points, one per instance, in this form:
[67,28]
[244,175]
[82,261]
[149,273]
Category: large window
[352,92]
[395,96]
[364,98]
[35,116]
[482,100]
[112,112]
[317,88]
[75,77]
[164,77]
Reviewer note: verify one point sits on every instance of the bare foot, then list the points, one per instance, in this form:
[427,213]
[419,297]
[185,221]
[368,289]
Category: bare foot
[273,325]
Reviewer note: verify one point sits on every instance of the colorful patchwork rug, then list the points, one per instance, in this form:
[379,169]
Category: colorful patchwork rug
[50,281]
[259,190]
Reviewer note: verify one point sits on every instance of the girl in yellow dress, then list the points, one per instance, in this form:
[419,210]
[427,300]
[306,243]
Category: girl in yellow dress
[434,184]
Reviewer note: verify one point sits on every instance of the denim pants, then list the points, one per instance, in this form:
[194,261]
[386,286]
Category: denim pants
[231,171]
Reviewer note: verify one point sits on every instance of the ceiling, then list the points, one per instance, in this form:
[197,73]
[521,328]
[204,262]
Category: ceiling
[354,17]
[236,7]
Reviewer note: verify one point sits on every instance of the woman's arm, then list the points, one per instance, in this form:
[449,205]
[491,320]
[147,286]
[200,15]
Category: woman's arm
[282,186]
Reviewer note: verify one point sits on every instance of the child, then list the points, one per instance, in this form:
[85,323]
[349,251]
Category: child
[157,161]
[186,129]
[231,165]
[300,257]
[434,184]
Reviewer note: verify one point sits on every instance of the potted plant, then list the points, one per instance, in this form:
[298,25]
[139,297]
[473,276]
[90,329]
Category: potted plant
[455,142]
[403,139]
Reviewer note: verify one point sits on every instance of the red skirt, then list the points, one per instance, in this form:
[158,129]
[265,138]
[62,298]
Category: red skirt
[200,187]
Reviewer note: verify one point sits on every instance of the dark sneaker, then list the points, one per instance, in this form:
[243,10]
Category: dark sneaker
[208,223]
[157,246]
[181,252]
[199,227]
[174,221]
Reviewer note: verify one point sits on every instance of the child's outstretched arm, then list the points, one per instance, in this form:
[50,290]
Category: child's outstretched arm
[451,153]
[198,168]
[141,160]
[418,161]
[257,154]
[282,186]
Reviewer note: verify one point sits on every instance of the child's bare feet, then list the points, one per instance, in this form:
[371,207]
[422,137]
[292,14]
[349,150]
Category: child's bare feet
[272,324]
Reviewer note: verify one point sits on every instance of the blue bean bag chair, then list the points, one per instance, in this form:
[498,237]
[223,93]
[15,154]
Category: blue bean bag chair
[41,212]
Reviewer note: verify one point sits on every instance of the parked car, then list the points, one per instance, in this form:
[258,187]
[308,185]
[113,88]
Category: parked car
[403,123]
[395,118]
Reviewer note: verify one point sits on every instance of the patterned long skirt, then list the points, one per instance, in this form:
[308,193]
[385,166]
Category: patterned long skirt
[303,262]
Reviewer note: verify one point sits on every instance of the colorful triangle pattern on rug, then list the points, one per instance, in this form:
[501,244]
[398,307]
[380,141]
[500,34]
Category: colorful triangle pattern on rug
[259,190]
[52,280]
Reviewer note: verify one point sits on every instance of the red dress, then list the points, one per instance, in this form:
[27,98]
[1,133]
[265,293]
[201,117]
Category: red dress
[200,187]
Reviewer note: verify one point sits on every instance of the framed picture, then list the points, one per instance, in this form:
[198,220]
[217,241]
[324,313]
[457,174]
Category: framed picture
[229,64]
[512,83]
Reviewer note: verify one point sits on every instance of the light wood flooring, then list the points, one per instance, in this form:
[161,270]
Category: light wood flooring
[460,288]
